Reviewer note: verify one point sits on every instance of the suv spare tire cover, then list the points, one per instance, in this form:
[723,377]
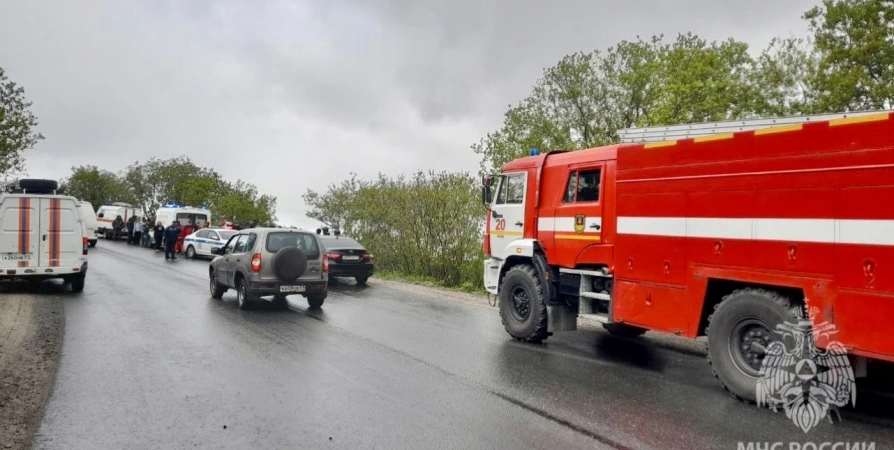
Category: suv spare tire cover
[289,263]
[38,185]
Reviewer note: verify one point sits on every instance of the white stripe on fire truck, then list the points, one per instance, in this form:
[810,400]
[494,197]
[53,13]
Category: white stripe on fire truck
[566,224]
[843,231]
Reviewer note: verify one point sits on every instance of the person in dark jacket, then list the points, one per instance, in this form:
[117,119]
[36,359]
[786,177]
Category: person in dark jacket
[172,233]
[159,234]
[130,224]
[118,225]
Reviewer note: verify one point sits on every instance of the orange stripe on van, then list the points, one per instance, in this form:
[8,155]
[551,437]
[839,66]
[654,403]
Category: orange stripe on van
[55,213]
[24,229]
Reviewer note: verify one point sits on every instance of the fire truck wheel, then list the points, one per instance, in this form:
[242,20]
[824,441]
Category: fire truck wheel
[521,304]
[739,331]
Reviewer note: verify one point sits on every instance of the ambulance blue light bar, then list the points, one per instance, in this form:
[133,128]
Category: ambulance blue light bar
[535,151]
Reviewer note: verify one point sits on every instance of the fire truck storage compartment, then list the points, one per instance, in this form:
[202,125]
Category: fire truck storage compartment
[811,200]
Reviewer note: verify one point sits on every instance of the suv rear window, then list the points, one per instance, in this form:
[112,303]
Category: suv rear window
[306,242]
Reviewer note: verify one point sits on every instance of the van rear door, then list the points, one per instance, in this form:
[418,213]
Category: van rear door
[61,240]
[19,227]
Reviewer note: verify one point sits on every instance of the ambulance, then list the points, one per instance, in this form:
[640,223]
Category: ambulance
[107,213]
[42,234]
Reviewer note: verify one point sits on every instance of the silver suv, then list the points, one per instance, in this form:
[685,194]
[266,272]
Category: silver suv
[271,262]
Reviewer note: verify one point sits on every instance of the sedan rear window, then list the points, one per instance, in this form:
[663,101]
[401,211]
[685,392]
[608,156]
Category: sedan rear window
[341,243]
[306,242]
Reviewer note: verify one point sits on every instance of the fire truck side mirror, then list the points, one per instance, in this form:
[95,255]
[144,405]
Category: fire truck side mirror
[485,195]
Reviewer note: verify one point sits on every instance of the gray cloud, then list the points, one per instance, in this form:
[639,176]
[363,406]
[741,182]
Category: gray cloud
[294,95]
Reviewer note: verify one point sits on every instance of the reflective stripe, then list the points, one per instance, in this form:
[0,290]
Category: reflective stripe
[830,231]
[24,229]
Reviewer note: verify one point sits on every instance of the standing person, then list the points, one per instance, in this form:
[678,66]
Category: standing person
[184,232]
[118,225]
[137,234]
[159,232]
[172,234]
[130,223]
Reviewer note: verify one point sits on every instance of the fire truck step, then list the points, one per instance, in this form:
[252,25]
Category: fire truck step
[596,296]
[592,273]
[601,318]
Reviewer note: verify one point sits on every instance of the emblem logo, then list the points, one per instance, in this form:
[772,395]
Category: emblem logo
[579,221]
[806,382]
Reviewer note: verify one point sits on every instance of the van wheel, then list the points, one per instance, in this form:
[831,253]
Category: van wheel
[742,326]
[108,235]
[243,298]
[315,302]
[521,304]
[190,252]
[77,282]
[92,243]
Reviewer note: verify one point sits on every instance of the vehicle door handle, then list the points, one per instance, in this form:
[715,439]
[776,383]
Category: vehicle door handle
[44,237]
[596,226]
[497,216]
[518,224]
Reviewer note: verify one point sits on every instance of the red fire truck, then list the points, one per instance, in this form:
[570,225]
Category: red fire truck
[723,230]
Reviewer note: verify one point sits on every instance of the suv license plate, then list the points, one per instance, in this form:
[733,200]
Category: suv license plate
[15,257]
[351,258]
[291,289]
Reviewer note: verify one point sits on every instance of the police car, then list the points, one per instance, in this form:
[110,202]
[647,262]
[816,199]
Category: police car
[201,242]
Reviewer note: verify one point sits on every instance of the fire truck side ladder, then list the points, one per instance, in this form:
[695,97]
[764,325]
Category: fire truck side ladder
[643,135]
[589,301]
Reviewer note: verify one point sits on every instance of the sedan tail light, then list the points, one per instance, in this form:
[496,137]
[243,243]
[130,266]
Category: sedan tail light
[333,255]
[256,262]
[367,256]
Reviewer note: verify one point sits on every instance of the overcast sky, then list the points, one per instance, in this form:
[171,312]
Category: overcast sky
[291,95]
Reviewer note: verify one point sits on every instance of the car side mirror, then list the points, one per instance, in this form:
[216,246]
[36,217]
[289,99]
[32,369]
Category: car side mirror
[215,251]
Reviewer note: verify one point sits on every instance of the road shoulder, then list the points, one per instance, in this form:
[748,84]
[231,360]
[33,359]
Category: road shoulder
[31,328]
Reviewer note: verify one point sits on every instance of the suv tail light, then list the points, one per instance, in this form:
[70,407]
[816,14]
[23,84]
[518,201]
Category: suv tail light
[86,242]
[256,262]
[326,263]
[333,255]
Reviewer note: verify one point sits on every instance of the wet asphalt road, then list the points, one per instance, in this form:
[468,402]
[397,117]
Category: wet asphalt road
[149,360]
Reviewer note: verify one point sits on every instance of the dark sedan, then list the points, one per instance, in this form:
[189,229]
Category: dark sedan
[347,258]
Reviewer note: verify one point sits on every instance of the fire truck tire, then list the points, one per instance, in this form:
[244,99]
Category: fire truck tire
[521,304]
[741,324]
[620,329]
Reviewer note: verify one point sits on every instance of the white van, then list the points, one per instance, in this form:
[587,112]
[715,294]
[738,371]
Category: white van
[107,213]
[195,216]
[89,216]
[42,234]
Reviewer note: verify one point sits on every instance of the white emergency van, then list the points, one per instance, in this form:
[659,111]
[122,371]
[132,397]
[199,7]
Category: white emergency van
[89,216]
[107,214]
[42,234]
[168,213]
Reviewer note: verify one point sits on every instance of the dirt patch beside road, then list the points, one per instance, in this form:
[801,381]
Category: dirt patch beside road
[31,326]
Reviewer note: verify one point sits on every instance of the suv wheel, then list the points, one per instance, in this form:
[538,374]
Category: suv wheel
[315,301]
[217,290]
[243,298]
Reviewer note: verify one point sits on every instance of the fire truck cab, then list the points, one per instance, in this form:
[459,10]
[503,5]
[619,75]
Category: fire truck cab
[723,230]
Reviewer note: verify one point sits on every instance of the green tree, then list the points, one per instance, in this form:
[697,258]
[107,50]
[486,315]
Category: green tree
[177,180]
[427,225]
[17,125]
[586,98]
[855,43]
[781,75]
[89,183]
[240,203]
